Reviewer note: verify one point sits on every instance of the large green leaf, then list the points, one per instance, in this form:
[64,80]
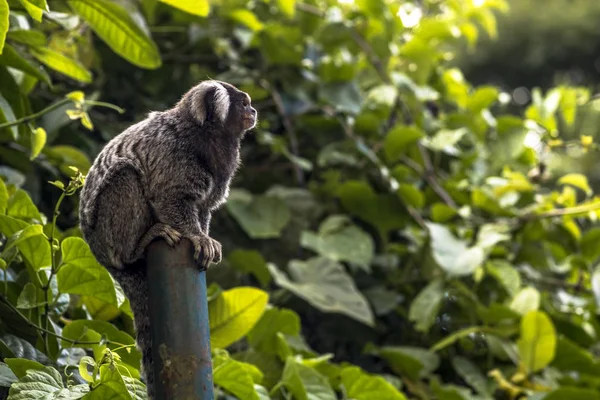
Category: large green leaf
[62,64]
[233,314]
[572,393]
[471,374]
[340,240]
[380,210]
[236,377]
[195,7]
[326,285]
[11,58]
[273,321]
[7,115]
[425,307]
[3,197]
[398,140]
[33,245]
[3,22]
[413,362]
[250,261]
[537,344]
[47,384]
[114,25]
[305,383]
[261,217]
[21,206]
[360,385]
[81,274]
[453,254]
[94,331]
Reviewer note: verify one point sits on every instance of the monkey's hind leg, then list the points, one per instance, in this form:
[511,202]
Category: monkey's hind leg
[124,216]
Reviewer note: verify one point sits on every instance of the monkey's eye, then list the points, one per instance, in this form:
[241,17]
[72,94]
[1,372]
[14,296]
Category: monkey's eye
[246,102]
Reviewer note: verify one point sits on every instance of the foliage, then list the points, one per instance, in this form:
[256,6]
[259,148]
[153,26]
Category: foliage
[395,231]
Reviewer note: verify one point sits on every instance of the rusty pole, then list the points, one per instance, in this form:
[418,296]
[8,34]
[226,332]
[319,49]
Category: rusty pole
[179,322]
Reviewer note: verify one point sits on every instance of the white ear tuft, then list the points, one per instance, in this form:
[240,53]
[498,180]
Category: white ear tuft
[221,99]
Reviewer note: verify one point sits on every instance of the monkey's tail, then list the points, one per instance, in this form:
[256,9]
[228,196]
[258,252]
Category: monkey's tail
[134,281]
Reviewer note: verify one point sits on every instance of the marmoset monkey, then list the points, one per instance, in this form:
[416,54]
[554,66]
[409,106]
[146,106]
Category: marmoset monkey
[162,177]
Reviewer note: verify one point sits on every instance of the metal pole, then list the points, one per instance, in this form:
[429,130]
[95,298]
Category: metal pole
[179,323]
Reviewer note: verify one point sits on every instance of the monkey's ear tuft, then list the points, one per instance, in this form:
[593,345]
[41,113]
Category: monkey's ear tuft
[210,97]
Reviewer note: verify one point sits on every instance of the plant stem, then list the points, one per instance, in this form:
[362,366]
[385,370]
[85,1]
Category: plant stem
[46,288]
[35,115]
[47,331]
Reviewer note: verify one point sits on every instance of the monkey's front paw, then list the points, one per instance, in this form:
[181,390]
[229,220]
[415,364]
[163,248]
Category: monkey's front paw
[206,249]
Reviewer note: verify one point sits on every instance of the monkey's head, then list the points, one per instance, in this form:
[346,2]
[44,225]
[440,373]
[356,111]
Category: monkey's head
[221,104]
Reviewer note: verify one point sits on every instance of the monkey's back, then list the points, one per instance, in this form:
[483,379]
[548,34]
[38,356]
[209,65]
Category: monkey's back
[113,199]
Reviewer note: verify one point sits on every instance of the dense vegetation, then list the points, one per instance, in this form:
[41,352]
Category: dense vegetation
[395,232]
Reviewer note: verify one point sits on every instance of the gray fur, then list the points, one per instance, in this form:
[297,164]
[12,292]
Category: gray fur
[162,177]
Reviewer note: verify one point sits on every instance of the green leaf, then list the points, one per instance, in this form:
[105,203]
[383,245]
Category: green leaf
[45,384]
[28,37]
[113,24]
[236,377]
[577,180]
[94,331]
[572,357]
[273,321]
[452,254]
[11,58]
[589,243]
[471,374]
[441,212]
[81,274]
[250,261]
[7,377]
[261,217]
[20,366]
[41,4]
[537,343]
[38,141]
[69,156]
[399,139]
[7,115]
[446,140]
[4,10]
[327,286]
[111,385]
[506,274]
[233,314]
[572,393]
[526,300]
[343,96]
[287,7]
[360,385]
[31,297]
[34,11]
[411,196]
[9,226]
[305,383]
[21,206]
[33,245]
[340,240]
[62,64]
[3,197]
[425,307]
[246,18]
[482,98]
[200,8]
[413,362]
[380,210]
